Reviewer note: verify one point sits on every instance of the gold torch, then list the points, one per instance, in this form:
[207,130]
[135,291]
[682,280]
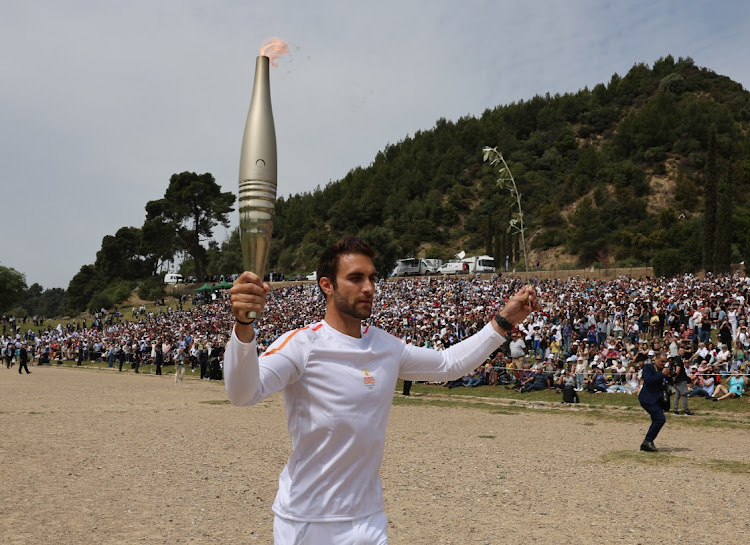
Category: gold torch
[257,192]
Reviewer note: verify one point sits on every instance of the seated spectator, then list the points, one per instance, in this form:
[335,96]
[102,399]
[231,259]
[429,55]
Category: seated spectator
[702,353]
[539,381]
[618,371]
[527,376]
[568,388]
[549,367]
[703,367]
[489,372]
[632,381]
[703,384]
[738,359]
[476,378]
[614,386]
[598,382]
[723,356]
[736,387]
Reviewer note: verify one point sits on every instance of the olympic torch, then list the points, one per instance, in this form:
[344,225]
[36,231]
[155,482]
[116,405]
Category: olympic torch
[257,191]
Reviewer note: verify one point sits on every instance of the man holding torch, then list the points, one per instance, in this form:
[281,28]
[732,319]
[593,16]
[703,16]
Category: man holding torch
[338,378]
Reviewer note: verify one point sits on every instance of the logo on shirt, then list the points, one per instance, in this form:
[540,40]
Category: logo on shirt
[368,379]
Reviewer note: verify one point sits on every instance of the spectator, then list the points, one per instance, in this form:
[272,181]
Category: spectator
[598,382]
[632,381]
[539,381]
[736,387]
[702,384]
[680,384]
[517,352]
[476,378]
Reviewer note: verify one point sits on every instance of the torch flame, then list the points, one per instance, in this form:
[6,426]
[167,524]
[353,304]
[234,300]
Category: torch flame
[273,49]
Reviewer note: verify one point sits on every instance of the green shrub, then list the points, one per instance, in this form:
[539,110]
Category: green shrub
[673,83]
[100,300]
[17,312]
[628,263]
[667,262]
[549,238]
[151,289]
[119,291]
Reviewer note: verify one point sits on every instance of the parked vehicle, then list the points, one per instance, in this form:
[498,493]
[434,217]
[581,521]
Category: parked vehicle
[453,267]
[173,278]
[416,266]
[480,264]
[312,276]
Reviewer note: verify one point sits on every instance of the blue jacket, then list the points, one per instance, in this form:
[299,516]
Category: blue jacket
[653,384]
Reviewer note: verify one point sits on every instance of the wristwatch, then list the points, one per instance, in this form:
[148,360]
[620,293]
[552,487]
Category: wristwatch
[504,324]
[252,320]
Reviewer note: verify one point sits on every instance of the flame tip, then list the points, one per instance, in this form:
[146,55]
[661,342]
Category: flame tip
[273,49]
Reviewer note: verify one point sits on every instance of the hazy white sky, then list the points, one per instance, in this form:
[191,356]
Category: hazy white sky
[102,101]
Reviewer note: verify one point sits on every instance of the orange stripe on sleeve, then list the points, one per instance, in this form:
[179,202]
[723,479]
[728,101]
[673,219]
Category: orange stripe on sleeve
[268,353]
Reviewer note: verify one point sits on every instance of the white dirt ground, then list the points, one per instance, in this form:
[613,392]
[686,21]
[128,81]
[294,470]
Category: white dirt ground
[117,458]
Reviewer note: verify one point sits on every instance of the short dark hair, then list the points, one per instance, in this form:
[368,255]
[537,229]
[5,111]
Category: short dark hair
[328,264]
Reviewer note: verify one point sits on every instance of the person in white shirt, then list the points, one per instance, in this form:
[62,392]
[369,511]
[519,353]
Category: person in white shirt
[517,352]
[697,318]
[732,317]
[338,378]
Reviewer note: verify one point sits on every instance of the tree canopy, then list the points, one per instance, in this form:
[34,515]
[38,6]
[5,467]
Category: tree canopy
[191,207]
[12,287]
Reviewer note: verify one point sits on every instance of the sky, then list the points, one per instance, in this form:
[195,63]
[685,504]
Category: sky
[102,101]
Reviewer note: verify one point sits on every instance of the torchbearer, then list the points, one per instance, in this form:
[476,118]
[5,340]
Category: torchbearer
[338,378]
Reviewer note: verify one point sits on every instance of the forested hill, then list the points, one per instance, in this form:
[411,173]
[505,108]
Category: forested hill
[618,174]
[651,168]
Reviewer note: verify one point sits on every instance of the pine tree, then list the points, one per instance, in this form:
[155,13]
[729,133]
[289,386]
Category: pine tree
[723,243]
[709,213]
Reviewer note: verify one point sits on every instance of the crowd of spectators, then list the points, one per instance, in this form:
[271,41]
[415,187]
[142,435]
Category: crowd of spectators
[197,335]
[591,334]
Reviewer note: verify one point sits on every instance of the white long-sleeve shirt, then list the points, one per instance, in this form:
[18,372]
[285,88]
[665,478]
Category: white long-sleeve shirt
[338,392]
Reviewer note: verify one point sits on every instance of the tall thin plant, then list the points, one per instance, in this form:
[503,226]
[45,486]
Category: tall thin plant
[506,181]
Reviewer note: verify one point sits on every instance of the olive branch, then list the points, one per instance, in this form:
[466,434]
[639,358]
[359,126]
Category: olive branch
[506,181]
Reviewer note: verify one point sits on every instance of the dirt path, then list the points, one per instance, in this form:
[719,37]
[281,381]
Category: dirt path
[103,457]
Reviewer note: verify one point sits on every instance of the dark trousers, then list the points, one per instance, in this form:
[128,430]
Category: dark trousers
[657,419]
[158,368]
[204,369]
[22,365]
[407,387]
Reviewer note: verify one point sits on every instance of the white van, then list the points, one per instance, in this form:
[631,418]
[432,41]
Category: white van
[416,266]
[173,278]
[453,267]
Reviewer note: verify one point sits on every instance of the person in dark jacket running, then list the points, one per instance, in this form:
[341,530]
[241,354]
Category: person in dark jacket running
[654,381]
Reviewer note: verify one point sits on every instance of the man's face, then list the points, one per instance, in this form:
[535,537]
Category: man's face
[355,286]
[660,362]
